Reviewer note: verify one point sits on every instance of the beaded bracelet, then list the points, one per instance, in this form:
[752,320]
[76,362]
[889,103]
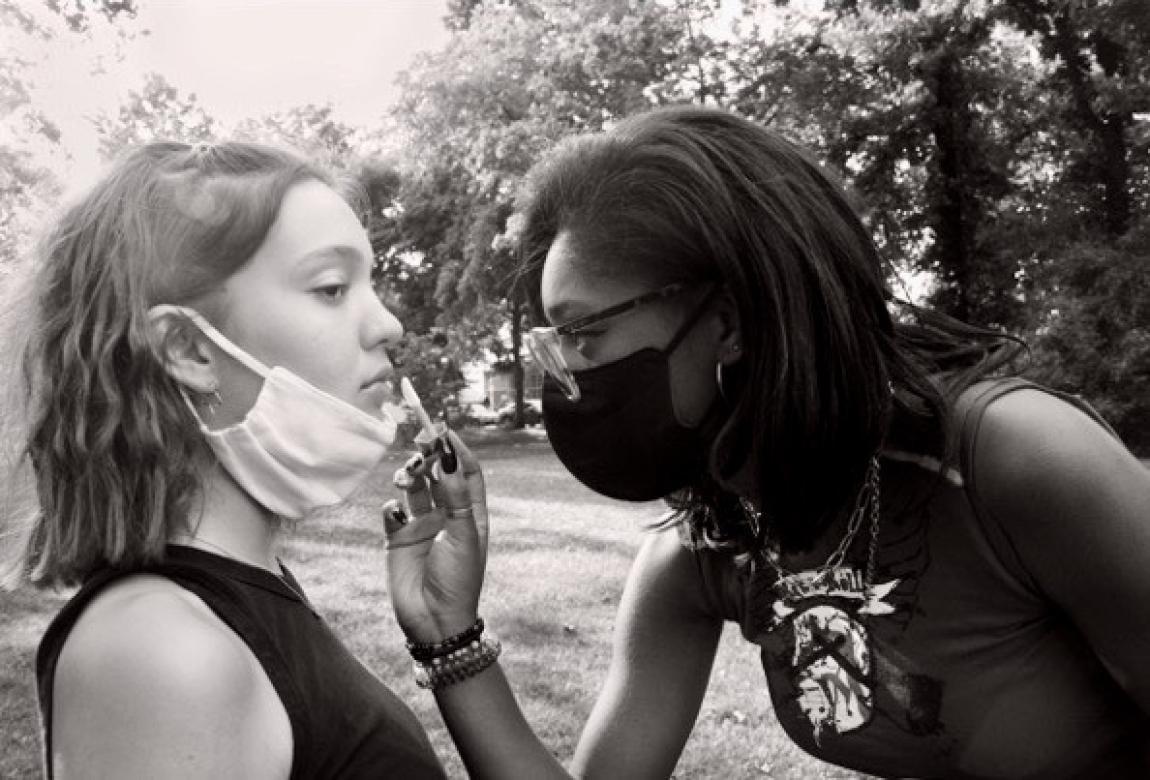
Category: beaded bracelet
[425,651]
[458,665]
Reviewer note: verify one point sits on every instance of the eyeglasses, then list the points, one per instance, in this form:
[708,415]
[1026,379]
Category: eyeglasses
[547,344]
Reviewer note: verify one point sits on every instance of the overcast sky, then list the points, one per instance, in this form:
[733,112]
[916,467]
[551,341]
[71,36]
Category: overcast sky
[248,58]
[253,55]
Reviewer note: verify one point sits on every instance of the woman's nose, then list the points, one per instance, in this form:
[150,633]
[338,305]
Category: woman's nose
[384,327]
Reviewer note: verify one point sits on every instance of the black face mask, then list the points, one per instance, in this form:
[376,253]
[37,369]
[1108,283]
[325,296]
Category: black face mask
[621,438]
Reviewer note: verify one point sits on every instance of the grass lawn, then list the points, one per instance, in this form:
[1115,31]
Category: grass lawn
[559,555]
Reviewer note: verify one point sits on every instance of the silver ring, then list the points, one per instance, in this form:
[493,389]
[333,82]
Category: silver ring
[463,513]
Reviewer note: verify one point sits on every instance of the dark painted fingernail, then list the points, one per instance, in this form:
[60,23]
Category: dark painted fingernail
[394,518]
[413,464]
[449,462]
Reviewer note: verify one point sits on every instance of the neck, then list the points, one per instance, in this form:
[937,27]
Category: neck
[232,523]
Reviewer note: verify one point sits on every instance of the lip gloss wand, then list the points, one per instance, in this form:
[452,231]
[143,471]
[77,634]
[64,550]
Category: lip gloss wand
[411,398]
[432,439]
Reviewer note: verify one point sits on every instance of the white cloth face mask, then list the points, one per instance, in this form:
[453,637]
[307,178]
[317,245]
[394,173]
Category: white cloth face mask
[298,448]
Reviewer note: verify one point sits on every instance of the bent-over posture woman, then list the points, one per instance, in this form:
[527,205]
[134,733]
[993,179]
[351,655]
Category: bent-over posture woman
[947,570]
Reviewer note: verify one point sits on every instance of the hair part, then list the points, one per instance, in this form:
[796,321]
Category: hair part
[691,193]
[115,452]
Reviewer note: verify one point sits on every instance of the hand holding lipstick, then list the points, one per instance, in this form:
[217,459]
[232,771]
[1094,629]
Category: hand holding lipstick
[437,541]
[431,438]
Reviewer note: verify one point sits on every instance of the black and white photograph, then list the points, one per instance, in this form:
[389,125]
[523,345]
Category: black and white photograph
[597,389]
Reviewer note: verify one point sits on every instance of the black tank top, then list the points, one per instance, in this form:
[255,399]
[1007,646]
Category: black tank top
[952,664]
[345,723]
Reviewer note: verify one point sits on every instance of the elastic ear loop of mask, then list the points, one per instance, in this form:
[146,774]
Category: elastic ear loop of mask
[222,341]
[691,321]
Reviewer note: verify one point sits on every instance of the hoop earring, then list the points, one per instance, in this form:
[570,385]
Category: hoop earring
[719,381]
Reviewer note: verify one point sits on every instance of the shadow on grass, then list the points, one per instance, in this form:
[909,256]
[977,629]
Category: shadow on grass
[537,681]
[534,539]
[487,437]
[521,540]
[343,537]
[523,632]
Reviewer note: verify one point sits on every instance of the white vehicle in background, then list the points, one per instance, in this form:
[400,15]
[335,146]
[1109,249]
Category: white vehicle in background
[532,412]
[481,414]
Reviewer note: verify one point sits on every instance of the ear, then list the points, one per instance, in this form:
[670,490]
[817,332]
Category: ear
[183,349]
[730,341]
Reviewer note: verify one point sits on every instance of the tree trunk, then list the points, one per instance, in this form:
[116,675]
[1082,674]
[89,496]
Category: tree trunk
[955,207]
[1105,131]
[516,349]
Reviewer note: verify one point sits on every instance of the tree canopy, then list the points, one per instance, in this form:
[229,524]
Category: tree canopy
[998,148]
[999,151]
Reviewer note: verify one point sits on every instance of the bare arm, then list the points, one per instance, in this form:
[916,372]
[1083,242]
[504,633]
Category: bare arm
[1076,505]
[149,686]
[664,643]
[663,650]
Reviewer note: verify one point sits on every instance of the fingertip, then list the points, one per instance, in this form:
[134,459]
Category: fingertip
[449,462]
[461,450]
[394,516]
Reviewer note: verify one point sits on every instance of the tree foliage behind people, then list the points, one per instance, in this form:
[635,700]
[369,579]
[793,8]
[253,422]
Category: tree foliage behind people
[998,149]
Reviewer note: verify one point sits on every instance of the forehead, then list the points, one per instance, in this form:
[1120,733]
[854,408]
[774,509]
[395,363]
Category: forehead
[573,284]
[311,218]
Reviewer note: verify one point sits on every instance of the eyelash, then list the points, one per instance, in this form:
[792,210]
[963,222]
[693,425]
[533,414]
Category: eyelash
[579,339]
[333,292]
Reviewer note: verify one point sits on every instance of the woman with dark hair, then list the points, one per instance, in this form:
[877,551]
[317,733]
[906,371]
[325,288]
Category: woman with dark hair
[947,568]
[207,362]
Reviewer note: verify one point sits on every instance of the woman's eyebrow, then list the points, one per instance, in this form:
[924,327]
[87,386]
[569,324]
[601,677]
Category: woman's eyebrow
[343,255]
[566,311]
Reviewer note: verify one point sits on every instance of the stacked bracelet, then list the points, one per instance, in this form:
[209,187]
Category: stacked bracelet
[457,666]
[426,651]
[452,660]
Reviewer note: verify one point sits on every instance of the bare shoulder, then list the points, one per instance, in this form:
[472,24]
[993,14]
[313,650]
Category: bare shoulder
[1030,432]
[147,631]
[1039,455]
[668,574]
[148,666]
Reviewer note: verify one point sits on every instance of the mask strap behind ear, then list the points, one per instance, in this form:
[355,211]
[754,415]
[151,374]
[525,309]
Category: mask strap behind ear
[222,341]
[690,322]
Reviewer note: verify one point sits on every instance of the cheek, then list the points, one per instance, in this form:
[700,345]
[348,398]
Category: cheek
[238,390]
[317,343]
[331,367]
[693,388]
[316,355]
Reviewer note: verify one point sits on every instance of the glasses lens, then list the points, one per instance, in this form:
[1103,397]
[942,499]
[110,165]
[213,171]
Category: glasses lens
[543,344]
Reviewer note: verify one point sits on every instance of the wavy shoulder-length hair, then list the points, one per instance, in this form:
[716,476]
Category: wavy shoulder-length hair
[829,375]
[114,451]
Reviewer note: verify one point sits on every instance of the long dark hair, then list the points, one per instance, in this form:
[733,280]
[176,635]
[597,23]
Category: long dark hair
[830,375]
